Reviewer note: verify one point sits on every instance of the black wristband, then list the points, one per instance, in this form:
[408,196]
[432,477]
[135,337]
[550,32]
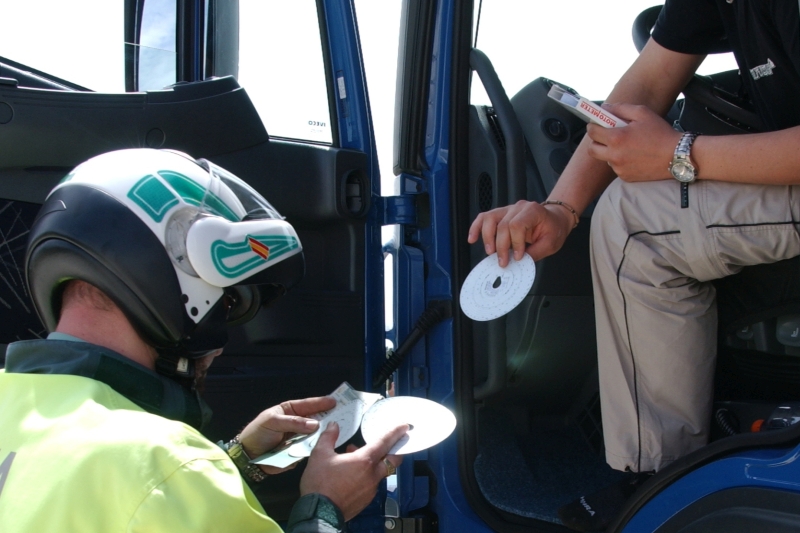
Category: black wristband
[316,506]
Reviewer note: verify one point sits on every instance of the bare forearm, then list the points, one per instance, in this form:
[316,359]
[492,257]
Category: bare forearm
[586,177]
[583,180]
[764,158]
[654,80]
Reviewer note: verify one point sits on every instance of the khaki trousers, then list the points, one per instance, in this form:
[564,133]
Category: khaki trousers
[656,313]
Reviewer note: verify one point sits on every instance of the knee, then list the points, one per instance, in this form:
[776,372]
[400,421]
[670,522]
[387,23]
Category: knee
[606,218]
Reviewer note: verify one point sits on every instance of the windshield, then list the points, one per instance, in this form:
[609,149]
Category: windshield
[67,41]
[580,44]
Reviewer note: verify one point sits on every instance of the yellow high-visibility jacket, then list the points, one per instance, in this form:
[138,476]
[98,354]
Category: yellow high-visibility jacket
[76,456]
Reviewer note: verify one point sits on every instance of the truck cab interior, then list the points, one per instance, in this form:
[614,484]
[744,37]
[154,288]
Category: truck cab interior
[539,438]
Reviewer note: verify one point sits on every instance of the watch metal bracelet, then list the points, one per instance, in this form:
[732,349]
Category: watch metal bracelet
[685,144]
[682,167]
[242,461]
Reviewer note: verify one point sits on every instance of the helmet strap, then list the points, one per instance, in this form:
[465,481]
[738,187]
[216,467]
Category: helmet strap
[176,367]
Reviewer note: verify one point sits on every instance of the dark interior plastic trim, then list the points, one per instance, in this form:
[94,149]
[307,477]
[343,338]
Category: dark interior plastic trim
[514,138]
[189,37]
[133,27]
[63,128]
[32,78]
[222,54]
[413,82]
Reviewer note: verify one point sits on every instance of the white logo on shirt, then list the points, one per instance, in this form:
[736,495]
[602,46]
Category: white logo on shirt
[762,70]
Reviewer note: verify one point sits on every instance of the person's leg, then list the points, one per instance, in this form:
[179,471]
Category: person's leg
[656,313]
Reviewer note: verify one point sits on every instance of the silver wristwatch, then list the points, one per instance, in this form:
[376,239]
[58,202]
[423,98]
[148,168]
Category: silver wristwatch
[681,167]
[242,460]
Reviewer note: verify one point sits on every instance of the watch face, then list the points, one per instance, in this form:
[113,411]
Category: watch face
[683,172]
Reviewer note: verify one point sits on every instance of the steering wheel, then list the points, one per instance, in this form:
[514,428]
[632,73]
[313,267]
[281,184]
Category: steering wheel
[719,102]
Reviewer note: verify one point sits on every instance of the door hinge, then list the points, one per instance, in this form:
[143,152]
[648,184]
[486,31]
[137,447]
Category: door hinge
[400,210]
[411,206]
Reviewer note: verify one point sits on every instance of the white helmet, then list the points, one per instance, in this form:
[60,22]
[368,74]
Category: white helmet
[178,244]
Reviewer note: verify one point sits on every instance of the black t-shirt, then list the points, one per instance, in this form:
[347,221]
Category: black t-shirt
[764,36]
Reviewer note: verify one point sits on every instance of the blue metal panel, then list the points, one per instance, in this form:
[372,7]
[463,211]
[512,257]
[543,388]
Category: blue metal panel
[399,210]
[776,469]
[409,303]
[350,86]
[435,244]
[355,132]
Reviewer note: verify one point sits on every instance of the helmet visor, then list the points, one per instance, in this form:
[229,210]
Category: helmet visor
[230,197]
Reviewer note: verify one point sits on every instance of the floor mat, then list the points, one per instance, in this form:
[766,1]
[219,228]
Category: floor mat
[533,475]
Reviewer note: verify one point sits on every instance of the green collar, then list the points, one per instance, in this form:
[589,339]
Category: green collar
[152,392]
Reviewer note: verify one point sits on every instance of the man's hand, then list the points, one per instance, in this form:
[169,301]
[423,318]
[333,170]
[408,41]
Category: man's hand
[350,480]
[640,151]
[276,424]
[523,227]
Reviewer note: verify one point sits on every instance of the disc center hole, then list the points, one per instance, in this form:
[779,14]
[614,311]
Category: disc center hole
[497,282]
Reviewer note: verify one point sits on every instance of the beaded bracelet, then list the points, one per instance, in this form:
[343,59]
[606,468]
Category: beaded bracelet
[566,206]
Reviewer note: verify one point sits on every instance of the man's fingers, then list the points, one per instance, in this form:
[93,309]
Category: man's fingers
[308,406]
[518,233]
[379,448]
[502,245]
[327,440]
[488,234]
[291,424]
[599,135]
[475,229]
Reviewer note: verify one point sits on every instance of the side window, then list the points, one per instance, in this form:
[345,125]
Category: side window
[281,67]
[152,46]
[280,55]
[83,45]
[104,51]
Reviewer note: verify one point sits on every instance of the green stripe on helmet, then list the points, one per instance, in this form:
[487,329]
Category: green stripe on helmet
[153,197]
[192,193]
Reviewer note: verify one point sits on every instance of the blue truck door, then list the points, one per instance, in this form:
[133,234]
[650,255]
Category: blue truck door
[430,112]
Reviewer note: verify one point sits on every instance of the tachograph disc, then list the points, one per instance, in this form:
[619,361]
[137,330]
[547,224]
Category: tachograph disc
[491,291]
[429,422]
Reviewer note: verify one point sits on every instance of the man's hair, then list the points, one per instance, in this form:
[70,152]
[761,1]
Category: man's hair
[81,292]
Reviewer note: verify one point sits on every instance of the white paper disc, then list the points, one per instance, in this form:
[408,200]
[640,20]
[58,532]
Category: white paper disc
[430,423]
[491,291]
[347,416]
